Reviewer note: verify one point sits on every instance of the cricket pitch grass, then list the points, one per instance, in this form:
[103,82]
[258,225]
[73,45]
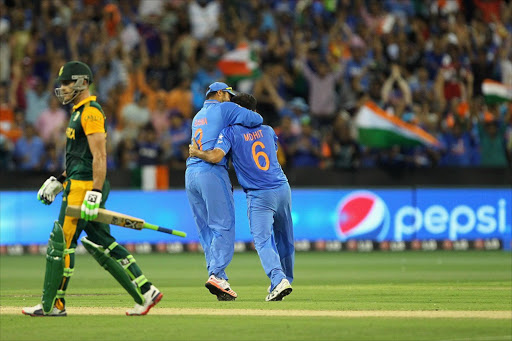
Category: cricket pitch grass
[438,295]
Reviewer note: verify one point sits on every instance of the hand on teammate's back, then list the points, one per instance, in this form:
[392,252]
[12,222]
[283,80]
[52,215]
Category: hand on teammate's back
[193,148]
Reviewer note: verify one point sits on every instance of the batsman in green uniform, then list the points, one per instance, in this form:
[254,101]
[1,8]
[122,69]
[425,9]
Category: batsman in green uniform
[84,183]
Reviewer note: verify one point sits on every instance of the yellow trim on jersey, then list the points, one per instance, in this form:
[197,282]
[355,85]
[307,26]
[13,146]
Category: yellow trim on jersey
[92,121]
[88,99]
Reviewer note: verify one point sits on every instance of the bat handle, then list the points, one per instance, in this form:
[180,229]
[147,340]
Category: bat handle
[165,230]
[174,232]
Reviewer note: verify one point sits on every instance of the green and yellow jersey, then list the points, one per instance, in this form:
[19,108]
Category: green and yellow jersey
[87,118]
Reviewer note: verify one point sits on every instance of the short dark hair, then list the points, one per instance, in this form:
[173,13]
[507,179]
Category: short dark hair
[211,94]
[245,100]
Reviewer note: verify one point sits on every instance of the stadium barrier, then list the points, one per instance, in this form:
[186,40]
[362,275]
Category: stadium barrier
[324,219]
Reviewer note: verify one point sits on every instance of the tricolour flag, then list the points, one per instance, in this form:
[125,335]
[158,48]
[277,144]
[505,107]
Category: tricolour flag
[379,129]
[239,63]
[154,177]
[496,92]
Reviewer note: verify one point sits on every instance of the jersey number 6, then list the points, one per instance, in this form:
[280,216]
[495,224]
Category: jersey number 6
[256,156]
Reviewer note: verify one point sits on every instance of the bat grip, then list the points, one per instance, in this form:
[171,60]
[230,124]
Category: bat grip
[165,230]
[174,232]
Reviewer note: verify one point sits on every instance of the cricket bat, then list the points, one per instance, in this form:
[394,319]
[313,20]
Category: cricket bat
[120,219]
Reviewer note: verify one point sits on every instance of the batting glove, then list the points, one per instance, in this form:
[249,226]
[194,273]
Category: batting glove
[91,204]
[49,190]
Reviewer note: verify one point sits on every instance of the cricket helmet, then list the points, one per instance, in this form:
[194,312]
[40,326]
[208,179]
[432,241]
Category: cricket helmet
[77,72]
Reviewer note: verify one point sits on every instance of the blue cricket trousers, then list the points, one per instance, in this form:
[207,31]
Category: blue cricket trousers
[210,196]
[270,221]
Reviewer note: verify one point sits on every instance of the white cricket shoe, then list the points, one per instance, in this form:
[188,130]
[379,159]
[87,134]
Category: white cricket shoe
[284,288]
[38,311]
[151,298]
[221,288]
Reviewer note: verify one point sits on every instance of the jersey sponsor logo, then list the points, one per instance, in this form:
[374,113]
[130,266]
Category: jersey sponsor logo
[200,122]
[92,118]
[70,133]
[253,135]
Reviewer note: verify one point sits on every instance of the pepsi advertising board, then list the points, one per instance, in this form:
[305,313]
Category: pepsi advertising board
[424,214]
[393,215]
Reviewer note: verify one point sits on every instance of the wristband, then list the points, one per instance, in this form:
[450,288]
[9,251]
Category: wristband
[61,178]
[96,190]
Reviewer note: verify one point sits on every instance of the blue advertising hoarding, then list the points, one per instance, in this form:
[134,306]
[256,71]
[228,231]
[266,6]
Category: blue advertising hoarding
[318,214]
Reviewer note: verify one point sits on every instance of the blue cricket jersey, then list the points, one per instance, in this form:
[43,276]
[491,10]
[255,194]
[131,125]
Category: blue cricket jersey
[212,118]
[254,153]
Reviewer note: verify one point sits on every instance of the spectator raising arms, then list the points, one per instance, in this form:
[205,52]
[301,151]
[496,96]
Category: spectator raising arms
[153,57]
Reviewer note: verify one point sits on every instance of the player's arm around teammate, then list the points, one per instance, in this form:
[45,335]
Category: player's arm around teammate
[211,156]
[209,189]
[268,195]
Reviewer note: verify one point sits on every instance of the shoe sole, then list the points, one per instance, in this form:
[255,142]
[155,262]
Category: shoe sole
[219,292]
[155,301]
[282,294]
[39,315]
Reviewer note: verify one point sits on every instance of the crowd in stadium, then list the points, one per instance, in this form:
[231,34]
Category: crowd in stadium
[313,64]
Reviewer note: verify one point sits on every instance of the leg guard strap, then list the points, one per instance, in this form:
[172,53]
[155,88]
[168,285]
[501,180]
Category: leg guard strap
[68,272]
[140,281]
[69,251]
[126,262]
[114,267]
[111,247]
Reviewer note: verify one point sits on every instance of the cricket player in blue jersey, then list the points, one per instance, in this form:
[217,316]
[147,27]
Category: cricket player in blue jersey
[209,189]
[254,155]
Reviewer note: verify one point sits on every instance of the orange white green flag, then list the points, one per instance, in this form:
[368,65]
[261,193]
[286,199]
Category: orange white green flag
[239,63]
[496,92]
[379,129]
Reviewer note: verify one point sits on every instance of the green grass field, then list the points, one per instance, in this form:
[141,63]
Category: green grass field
[337,296]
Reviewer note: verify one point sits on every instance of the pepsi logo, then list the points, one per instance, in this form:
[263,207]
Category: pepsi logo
[362,215]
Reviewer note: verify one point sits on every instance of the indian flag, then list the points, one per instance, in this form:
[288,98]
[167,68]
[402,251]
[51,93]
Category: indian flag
[496,92]
[239,63]
[379,129]
[154,178]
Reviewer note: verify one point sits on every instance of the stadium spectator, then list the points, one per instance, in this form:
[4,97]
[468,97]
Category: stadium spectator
[178,139]
[322,87]
[444,51]
[180,98]
[148,148]
[50,122]
[29,150]
[491,133]
[458,144]
[135,116]
[207,73]
[160,115]
[305,149]
[340,149]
